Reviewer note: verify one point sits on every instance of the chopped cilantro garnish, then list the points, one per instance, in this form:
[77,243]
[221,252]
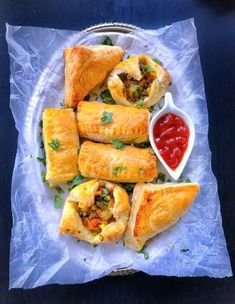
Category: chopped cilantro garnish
[62,104]
[180,180]
[58,201]
[105,192]
[77,180]
[42,160]
[141,170]
[148,69]
[59,189]
[144,252]
[157,61]
[117,144]
[128,187]
[143,145]
[106,118]
[54,144]
[188,180]
[168,180]
[118,169]
[184,250]
[151,109]
[41,123]
[87,97]
[107,97]
[43,176]
[95,245]
[140,103]
[107,41]
[151,152]
[161,176]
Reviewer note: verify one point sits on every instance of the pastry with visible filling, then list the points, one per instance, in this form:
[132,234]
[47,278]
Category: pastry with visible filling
[61,143]
[155,208]
[85,67]
[129,125]
[138,82]
[130,164]
[96,211]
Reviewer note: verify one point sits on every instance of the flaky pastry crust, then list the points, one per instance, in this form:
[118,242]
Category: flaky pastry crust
[85,67]
[155,208]
[84,195]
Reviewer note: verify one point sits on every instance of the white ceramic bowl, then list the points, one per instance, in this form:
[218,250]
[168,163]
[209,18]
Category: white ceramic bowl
[170,107]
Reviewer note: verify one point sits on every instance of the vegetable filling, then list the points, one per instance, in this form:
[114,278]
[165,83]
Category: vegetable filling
[135,90]
[97,216]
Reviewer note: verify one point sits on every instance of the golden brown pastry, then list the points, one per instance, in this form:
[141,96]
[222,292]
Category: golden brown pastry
[61,144]
[96,212]
[85,67]
[129,165]
[155,208]
[129,125]
[138,82]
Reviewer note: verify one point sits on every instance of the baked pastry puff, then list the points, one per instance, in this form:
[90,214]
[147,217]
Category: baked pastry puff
[61,144]
[85,67]
[130,125]
[129,165]
[138,82]
[96,211]
[155,208]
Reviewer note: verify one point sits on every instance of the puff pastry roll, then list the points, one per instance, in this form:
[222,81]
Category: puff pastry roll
[130,125]
[85,67]
[155,208]
[138,81]
[61,144]
[96,212]
[129,165]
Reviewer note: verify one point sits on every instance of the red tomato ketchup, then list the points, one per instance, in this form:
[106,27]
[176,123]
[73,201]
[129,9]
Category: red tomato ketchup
[171,135]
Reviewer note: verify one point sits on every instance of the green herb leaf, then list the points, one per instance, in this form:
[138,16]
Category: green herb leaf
[168,180]
[188,180]
[151,151]
[77,180]
[141,170]
[59,189]
[180,180]
[62,104]
[58,201]
[107,97]
[117,144]
[148,69]
[143,145]
[151,109]
[128,187]
[43,176]
[118,169]
[41,123]
[95,245]
[106,118]
[157,61]
[161,176]
[184,250]
[107,41]
[140,103]
[105,192]
[54,144]
[42,145]
[42,160]
[87,97]
[144,252]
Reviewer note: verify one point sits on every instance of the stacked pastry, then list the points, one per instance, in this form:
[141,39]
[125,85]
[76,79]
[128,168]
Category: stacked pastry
[98,210]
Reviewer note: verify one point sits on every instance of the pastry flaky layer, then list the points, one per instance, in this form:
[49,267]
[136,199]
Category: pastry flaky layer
[130,125]
[61,144]
[138,81]
[128,165]
[82,198]
[155,208]
[85,67]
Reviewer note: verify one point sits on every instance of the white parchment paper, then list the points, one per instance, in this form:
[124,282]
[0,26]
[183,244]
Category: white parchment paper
[39,255]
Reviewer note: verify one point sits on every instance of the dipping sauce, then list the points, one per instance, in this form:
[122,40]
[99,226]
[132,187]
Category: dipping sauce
[171,135]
